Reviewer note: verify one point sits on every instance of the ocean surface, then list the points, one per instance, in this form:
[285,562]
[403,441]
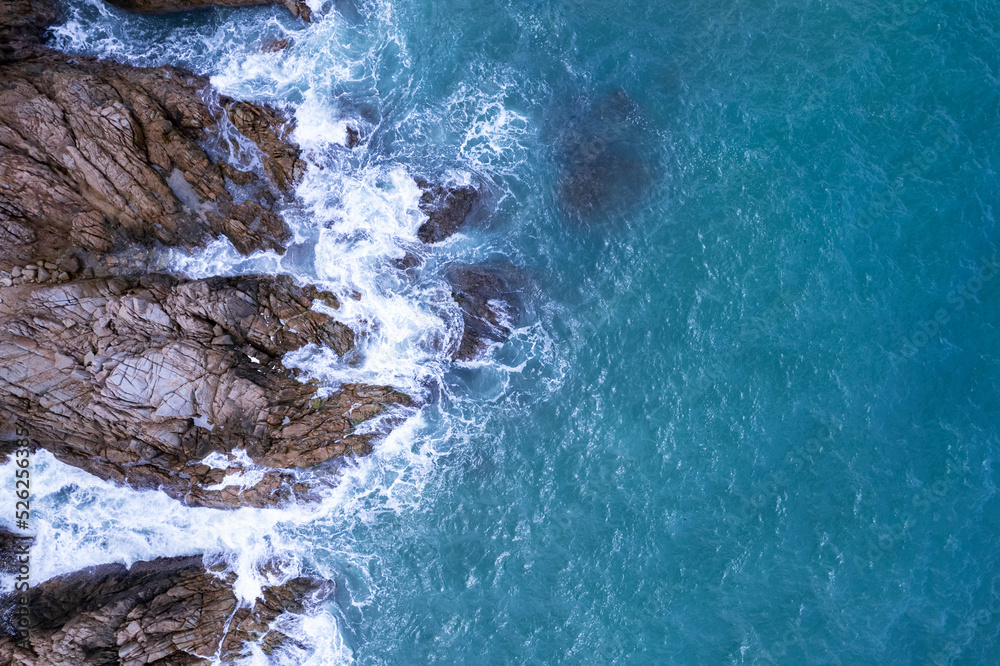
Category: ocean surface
[750,412]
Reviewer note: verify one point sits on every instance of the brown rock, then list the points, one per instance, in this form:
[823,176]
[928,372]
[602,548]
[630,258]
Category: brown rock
[353,137]
[128,379]
[447,209]
[250,625]
[296,7]
[22,26]
[97,155]
[270,130]
[408,261]
[69,264]
[166,611]
[489,306]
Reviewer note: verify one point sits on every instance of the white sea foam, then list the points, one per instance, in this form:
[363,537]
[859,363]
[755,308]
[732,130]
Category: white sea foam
[79,521]
[354,215]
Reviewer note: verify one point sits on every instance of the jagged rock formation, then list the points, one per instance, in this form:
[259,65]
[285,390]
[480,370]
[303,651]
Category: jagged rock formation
[139,379]
[250,624]
[22,24]
[167,611]
[150,380]
[447,209]
[96,155]
[489,307]
[298,8]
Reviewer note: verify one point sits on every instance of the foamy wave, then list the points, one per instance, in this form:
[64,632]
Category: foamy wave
[80,521]
[354,215]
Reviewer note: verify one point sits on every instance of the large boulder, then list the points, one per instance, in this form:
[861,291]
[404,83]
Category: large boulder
[489,303]
[138,380]
[448,209]
[167,611]
[96,155]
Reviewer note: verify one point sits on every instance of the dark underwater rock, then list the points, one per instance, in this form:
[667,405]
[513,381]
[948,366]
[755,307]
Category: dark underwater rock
[274,44]
[604,161]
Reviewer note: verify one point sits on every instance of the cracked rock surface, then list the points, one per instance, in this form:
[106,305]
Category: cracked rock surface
[166,611]
[96,155]
[448,209]
[138,379]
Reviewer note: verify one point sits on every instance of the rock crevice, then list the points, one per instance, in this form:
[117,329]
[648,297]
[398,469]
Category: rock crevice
[96,155]
[166,611]
[137,380]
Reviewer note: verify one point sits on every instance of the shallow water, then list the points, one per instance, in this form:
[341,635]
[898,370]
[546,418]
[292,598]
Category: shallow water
[729,428]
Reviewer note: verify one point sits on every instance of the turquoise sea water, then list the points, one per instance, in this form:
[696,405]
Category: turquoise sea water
[750,414]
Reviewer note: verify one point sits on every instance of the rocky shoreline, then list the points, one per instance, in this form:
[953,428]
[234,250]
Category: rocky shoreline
[153,381]
[178,610]
[137,379]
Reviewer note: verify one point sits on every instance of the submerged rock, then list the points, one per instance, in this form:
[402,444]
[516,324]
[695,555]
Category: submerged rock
[274,44]
[489,307]
[353,137]
[448,209]
[298,8]
[166,611]
[603,157]
[95,155]
[137,380]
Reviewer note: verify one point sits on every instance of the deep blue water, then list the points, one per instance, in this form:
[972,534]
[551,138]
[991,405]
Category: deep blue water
[729,428]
